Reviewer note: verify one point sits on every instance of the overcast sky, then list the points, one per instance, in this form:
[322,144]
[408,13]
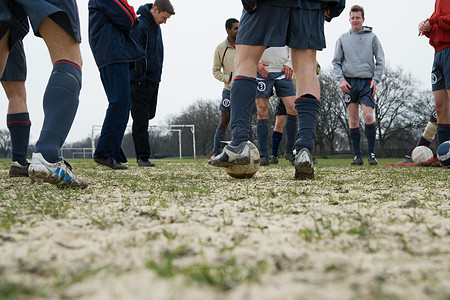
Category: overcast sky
[190,37]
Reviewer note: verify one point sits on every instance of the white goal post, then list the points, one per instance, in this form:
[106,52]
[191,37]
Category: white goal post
[176,128]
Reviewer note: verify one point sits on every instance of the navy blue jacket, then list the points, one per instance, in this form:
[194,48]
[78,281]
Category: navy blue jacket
[110,24]
[148,35]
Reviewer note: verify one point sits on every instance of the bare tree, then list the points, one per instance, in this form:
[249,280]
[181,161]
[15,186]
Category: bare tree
[332,118]
[5,142]
[399,106]
[204,114]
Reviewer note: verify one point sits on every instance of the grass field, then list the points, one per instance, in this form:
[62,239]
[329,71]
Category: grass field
[185,230]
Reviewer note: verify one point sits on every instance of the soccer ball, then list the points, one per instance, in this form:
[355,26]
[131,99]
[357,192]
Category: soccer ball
[420,154]
[246,171]
[443,153]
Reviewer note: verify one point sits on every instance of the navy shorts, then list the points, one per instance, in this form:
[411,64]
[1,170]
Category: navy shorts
[225,103]
[62,12]
[433,116]
[283,86]
[281,109]
[16,65]
[440,75]
[277,26]
[360,92]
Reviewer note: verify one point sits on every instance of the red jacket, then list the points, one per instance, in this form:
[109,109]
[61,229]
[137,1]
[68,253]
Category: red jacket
[440,19]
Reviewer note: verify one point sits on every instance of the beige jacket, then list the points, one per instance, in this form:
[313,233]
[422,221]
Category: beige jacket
[223,66]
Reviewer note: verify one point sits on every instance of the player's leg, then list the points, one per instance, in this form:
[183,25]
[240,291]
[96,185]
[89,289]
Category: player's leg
[61,95]
[142,95]
[441,90]
[291,126]
[262,129]
[224,120]
[430,130]
[442,106]
[371,131]
[219,136]
[277,135]
[243,92]
[354,131]
[18,122]
[63,88]
[115,79]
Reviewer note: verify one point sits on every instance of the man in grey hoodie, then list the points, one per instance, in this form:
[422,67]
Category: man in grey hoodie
[358,76]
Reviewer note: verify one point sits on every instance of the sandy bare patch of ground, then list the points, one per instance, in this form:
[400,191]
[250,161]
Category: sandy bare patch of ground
[189,231]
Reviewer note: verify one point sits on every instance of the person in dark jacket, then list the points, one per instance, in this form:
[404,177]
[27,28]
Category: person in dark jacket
[146,76]
[115,51]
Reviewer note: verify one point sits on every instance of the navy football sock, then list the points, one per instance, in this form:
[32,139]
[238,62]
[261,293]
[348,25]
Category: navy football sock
[307,107]
[443,133]
[243,93]
[262,130]
[291,132]
[371,131]
[276,140]
[355,137]
[423,142]
[19,129]
[60,105]
[218,137]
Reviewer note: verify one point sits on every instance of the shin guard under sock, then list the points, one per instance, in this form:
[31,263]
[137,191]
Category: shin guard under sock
[443,133]
[262,130]
[371,131]
[276,140]
[291,132]
[60,105]
[307,107]
[243,93]
[19,129]
[219,136]
[355,137]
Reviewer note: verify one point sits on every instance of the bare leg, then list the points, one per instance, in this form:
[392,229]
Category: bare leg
[353,115]
[16,93]
[304,64]
[368,114]
[247,58]
[442,105]
[60,44]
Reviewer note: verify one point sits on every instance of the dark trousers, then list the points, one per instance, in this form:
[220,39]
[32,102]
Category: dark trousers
[115,79]
[144,96]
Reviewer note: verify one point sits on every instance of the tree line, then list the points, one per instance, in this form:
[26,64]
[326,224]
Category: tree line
[402,110]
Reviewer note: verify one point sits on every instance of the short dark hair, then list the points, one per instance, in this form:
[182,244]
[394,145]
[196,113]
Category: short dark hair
[229,23]
[164,6]
[357,8]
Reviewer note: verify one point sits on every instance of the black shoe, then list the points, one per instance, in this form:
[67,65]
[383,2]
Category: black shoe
[232,155]
[290,157]
[357,161]
[315,161]
[264,161]
[18,170]
[145,163]
[273,160]
[372,160]
[304,167]
[110,162]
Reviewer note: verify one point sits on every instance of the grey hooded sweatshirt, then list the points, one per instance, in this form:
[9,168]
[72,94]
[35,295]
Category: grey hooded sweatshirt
[354,55]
